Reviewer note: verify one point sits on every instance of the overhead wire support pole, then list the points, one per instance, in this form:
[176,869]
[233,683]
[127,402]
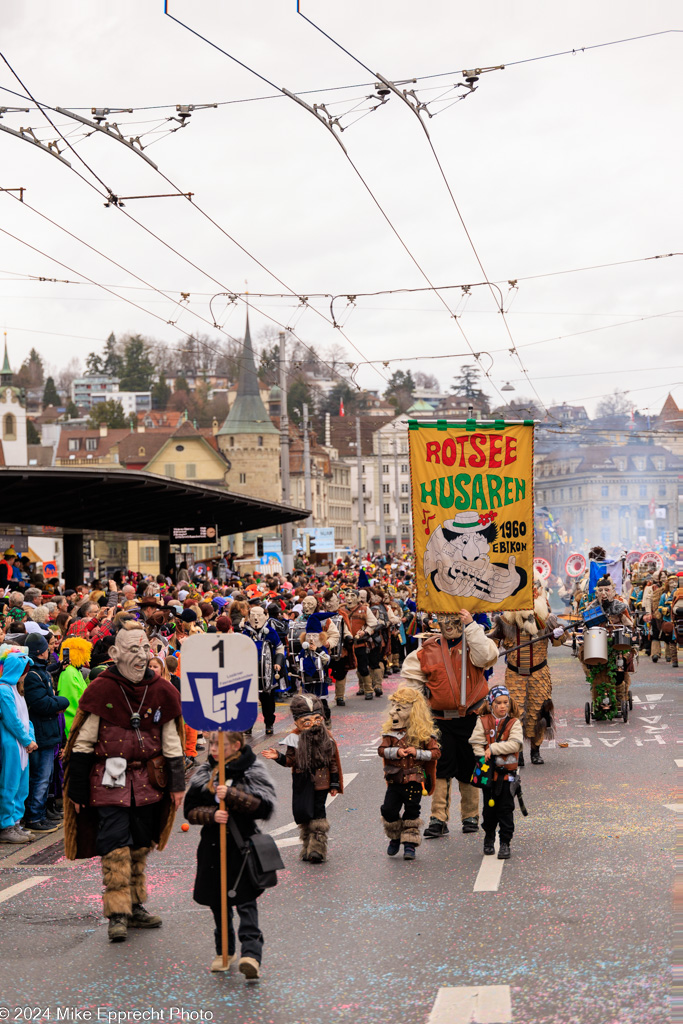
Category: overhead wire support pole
[380,496]
[287,559]
[308,499]
[361,493]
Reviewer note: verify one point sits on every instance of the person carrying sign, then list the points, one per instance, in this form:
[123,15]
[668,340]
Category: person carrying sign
[248,795]
[435,670]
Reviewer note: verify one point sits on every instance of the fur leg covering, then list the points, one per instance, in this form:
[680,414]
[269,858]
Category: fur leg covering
[138,877]
[411,831]
[116,875]
[305,837]
[393,829]
[544,727]
[318,841]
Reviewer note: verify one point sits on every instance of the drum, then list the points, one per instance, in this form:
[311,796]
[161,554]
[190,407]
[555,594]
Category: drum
[595,646]
[622,638]
[266,678]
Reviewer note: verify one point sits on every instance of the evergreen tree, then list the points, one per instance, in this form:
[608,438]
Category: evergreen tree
[138,369]
[181,383]
[161,393]
[400,390]
[32,435]
[110,412]
[299,393]
[50,394]
[71,411]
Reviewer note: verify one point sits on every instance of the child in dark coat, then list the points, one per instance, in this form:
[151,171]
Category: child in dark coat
[249,795]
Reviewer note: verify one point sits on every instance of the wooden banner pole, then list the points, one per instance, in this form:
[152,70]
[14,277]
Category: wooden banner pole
[223,854]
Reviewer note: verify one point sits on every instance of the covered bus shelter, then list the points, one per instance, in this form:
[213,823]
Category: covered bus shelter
[129,502]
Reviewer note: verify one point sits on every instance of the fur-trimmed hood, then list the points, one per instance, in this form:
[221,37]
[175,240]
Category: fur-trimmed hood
[252,777]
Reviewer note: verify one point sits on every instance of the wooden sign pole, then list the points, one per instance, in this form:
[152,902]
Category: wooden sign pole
[223,854]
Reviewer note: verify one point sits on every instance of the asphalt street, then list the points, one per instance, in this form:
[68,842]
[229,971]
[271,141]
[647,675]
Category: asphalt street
[575,929]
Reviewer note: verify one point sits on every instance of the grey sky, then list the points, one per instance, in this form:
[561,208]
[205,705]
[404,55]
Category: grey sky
[555,164]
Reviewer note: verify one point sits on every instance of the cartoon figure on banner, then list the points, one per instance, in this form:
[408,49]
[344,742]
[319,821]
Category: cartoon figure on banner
[457,560]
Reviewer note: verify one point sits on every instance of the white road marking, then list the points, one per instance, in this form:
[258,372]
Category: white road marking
[283,828]
[654,696]
[612,742]
[28,883]
[487,1004]
[583,742]
[488,880]
[291,841]
[348,778]
[670,807]
[551,744]
[679,762]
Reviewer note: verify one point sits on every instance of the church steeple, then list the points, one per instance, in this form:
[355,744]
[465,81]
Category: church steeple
[6,375]
[248,414]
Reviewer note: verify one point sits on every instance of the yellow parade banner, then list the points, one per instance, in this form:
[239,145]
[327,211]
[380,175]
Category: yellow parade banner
[473,515]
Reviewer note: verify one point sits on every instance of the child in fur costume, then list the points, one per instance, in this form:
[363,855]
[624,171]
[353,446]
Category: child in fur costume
[313,756]
[410,750]
[249,795]
[498,736]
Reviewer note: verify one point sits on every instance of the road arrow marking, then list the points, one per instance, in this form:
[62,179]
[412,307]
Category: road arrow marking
[670,807]
[612,743]
[651,721]
[486,1004]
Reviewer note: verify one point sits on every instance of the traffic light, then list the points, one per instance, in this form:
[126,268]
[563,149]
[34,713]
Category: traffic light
[312,543]
[259,545]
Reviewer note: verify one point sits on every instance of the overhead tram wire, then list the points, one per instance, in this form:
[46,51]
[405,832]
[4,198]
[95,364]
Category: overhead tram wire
[376,201]
[389,291]
[109,196]
[208,217]
[575,51]
[415,109]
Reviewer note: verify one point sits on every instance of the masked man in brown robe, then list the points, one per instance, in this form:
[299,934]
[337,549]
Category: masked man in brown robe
[124,776]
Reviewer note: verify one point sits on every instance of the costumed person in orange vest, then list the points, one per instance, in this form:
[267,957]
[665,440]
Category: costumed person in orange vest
[527,676]
[435,670]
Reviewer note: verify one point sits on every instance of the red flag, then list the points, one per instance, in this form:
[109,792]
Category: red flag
[341,406]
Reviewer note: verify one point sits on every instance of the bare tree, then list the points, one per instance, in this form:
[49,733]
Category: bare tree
[427,381]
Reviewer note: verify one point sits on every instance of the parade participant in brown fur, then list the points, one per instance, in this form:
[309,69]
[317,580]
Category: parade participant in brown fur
[410,750]
[313,756]
[124,776]
[527,676]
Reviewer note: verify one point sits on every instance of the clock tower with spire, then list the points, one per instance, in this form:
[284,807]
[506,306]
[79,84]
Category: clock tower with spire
[12,418]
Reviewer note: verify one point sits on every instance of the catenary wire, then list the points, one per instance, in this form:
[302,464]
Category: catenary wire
[367,85]
[362,180]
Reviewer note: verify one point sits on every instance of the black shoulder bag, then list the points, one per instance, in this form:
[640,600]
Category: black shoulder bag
[260,859]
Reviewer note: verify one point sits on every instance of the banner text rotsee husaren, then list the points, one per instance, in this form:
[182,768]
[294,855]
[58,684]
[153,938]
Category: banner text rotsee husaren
[473,517]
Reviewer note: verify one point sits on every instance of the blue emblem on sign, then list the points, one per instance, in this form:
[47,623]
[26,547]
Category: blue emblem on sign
[223,705]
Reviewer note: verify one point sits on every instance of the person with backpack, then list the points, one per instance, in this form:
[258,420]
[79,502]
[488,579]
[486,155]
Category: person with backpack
[498,738]
[249,795]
